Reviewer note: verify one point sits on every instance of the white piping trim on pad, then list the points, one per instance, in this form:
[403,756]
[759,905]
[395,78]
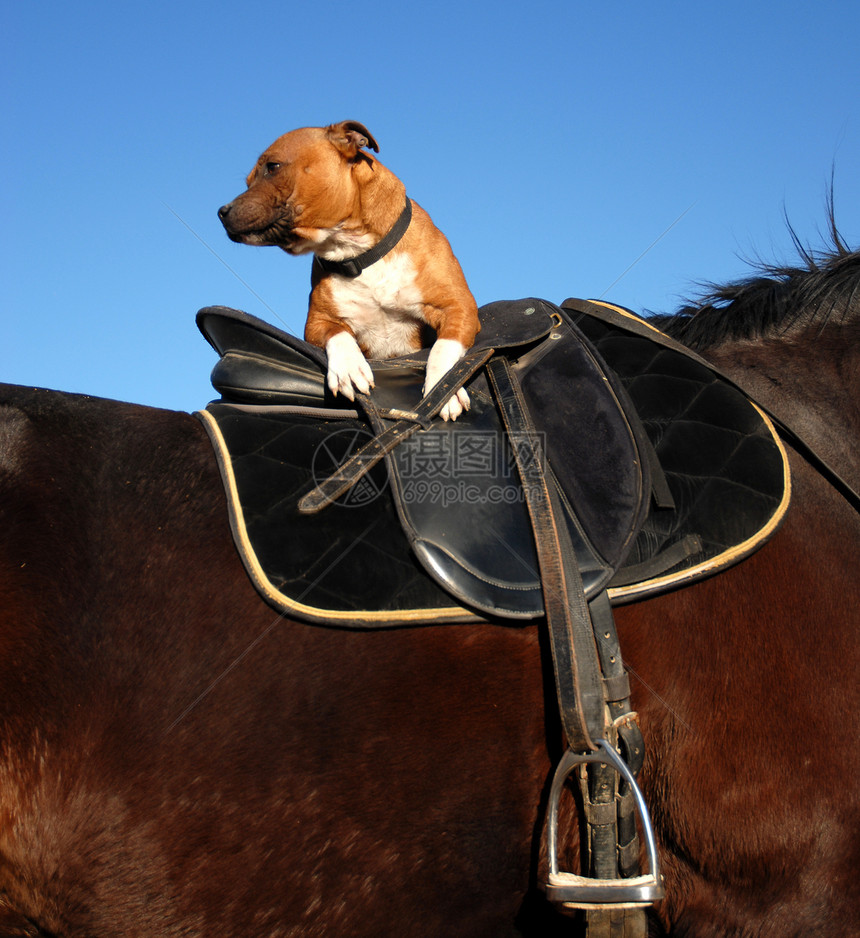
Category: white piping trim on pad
[447,614]
[627,594]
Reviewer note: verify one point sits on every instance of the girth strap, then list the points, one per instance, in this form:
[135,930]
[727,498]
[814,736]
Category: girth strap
[579,682]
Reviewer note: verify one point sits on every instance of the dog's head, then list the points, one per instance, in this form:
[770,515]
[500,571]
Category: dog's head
[303,186]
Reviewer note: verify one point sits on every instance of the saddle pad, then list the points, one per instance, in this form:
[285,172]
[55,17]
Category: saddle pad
[723,460]
[352,564]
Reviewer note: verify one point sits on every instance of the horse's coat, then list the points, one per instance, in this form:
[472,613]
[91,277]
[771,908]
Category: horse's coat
[178,760]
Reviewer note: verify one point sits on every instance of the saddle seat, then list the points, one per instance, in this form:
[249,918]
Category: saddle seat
[663,471]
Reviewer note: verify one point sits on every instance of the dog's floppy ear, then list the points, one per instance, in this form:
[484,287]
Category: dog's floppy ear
[350,137]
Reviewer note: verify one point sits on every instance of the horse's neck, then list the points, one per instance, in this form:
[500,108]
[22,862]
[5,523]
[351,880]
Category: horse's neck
[813,386]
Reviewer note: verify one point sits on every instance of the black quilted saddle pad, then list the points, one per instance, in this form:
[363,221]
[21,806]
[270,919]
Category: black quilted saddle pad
[722,459]
[353,564]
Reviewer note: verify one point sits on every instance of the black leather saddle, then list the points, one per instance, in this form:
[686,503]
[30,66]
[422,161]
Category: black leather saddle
[378,514]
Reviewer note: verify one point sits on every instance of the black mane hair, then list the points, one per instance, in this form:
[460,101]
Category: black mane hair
[776,299]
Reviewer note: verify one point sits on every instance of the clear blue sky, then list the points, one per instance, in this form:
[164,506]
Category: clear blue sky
[553,142]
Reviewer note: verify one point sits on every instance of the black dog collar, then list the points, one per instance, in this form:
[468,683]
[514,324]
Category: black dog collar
[353,266]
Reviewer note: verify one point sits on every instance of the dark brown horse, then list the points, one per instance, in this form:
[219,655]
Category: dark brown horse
[178,760]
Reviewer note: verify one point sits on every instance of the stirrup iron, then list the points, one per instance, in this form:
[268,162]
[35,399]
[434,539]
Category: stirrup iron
[583,892]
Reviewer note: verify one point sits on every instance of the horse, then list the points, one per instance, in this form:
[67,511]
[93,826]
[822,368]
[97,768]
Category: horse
[178,759]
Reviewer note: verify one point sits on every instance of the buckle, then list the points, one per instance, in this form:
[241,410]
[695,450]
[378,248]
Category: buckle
[349,268]
[584,892]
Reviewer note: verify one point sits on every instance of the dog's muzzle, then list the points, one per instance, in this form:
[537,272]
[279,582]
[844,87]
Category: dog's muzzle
[245,223]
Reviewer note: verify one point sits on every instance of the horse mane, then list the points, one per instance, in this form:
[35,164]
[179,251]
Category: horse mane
[776,299]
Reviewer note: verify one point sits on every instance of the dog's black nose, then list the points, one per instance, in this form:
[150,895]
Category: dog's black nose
[224,211]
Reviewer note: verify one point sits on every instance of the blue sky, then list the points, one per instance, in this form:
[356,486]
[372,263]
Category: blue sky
[553,142]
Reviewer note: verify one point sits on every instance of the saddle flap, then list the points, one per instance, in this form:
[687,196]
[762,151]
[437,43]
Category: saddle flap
[456,486]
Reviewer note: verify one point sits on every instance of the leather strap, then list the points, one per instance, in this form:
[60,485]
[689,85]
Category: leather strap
[580,656]
[611,837]
[353,266]
[579,682]
[364,459]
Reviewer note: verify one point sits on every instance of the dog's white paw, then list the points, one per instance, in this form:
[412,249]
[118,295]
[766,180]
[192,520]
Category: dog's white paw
[443,356]
[455,405]
[348,370]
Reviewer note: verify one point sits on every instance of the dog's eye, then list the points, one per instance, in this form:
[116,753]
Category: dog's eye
[272,168]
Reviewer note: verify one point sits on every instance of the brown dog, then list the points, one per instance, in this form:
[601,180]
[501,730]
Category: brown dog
[382,268]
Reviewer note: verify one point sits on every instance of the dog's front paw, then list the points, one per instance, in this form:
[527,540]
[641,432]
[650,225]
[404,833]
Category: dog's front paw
[455,405]
[443,356]
[348,370]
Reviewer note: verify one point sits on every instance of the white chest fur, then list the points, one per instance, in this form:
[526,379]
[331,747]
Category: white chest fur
[382,305]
